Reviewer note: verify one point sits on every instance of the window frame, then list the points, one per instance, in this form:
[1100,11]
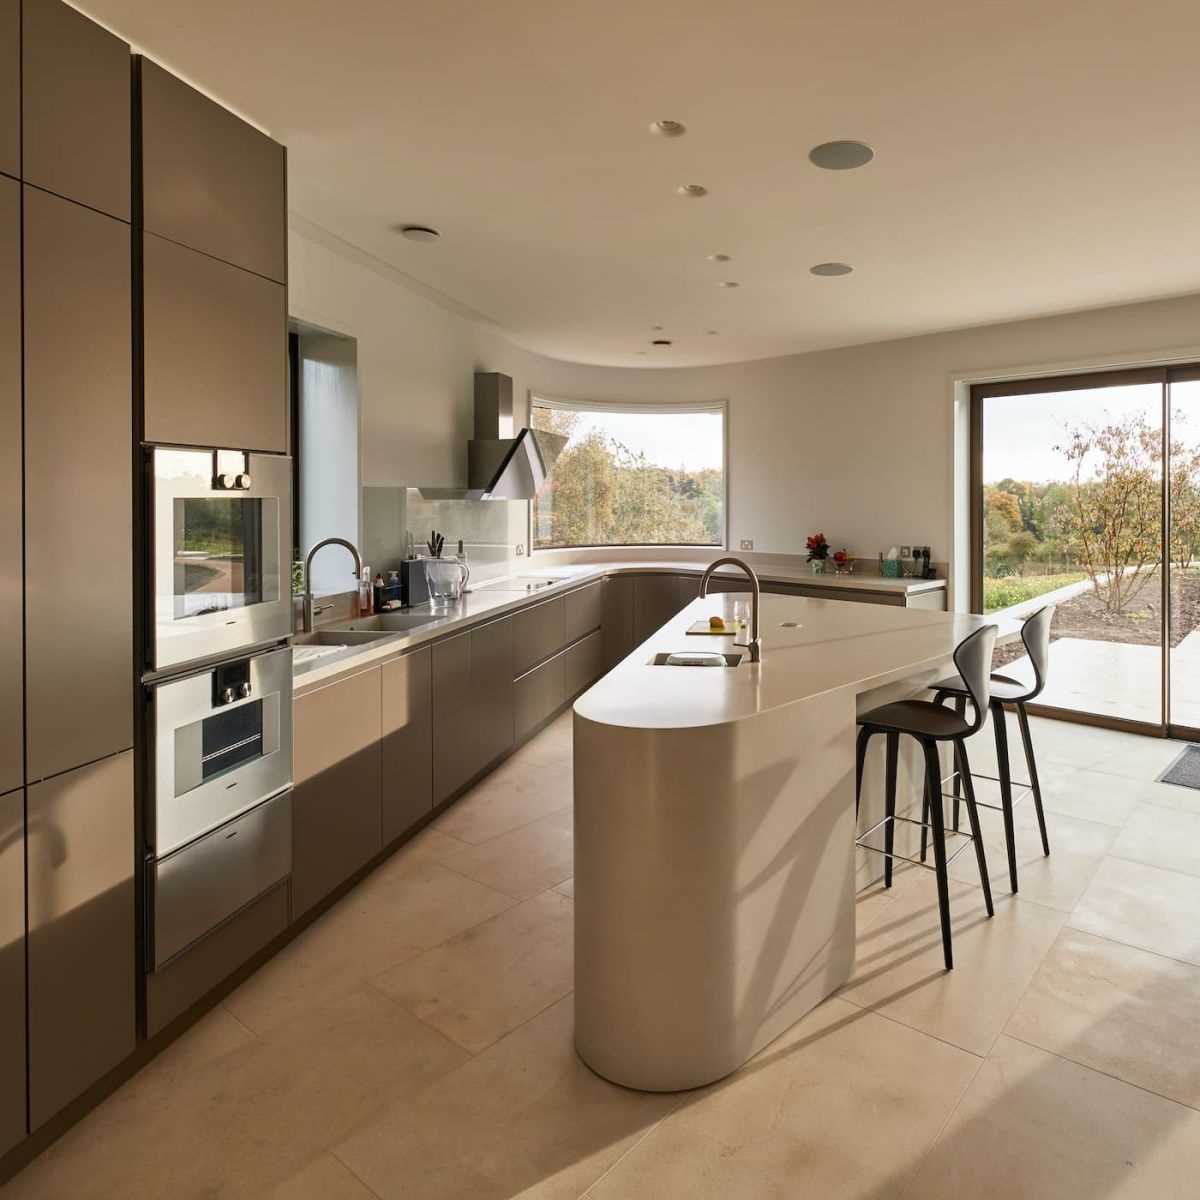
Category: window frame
[663,407]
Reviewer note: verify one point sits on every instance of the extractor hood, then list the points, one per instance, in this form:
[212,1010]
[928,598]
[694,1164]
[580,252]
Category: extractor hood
[503,463]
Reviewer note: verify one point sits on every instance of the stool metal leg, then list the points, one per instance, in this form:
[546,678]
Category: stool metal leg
[960,707]
[925,817]
[1004,770]
[933,775]
[1034,786]
[964,765]
[889,829]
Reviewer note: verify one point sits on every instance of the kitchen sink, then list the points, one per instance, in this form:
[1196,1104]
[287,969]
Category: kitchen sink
[382,624]
[339,637]
[698,659]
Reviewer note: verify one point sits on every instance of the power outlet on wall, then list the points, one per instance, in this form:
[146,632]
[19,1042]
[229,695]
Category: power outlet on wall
[520,549]
[747,543]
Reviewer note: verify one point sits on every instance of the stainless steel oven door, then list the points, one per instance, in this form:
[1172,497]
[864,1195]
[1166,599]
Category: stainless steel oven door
[222,744]
[221,532]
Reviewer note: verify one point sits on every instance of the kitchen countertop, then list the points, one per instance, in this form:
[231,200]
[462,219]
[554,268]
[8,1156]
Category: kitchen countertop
[491,598]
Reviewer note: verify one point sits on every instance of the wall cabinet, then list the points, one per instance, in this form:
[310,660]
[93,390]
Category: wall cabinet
[215,352]
[82,1017]
[472,704]
[10,87]
[407,748]
[211,181]
[12,969]
[78,484]
[12,766]
[336,826]
[75,82]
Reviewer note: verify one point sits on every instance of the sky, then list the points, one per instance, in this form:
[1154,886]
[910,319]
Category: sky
[690,440]
[1020,432]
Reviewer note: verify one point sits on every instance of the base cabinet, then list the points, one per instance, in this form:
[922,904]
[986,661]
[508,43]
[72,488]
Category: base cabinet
[12,969]
[82,1009]
[537,695]
[336,820]
[407,747]
[583,664]
[617,618]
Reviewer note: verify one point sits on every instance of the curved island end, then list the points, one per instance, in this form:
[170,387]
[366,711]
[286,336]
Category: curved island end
[715,864]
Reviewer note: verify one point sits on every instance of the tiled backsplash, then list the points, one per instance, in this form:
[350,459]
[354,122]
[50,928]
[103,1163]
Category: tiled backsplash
[490,529]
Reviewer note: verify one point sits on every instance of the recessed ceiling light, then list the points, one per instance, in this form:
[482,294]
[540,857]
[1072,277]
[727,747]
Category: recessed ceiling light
[831,268]
[711,332]
[420,233]
[695,190]
[730,283]
[661,342]
[841,156]
[720,258]
[656,328]
[668,128]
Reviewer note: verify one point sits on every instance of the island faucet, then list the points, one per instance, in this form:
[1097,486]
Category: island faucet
[308,596]
[755,640]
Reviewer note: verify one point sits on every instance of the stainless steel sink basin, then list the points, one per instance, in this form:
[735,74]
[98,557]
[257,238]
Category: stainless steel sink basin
[339,637]
[382,624]
[664,659]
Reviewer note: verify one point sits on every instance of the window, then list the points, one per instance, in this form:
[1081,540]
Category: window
[632,475]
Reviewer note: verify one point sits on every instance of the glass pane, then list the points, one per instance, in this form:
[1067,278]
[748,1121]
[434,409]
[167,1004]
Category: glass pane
[1072,494]
[632,479]
[219,553]
[1185,553]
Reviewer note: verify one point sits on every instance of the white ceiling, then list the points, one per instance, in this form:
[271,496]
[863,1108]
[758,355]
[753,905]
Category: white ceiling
[1032,157]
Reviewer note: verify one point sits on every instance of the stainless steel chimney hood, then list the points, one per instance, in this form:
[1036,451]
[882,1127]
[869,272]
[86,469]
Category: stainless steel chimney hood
[503,463]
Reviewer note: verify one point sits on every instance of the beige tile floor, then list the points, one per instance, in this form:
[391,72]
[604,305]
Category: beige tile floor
[416,1041]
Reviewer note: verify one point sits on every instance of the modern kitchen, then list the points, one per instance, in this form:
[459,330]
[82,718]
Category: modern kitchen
[464,530]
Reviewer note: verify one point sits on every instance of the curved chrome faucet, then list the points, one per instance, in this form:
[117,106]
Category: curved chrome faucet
[308,596]
[755,640]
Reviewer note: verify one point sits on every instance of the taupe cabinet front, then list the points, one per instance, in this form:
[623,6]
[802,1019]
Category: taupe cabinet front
[81,931]
[211,181]
[656,599]
[78,485]
[12,969]
[215,352]
[75,107]
[336,821]
[12,773]
[472,704]
[407,742]
[10,87]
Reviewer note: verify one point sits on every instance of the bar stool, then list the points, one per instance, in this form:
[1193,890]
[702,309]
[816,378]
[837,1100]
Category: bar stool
[1005,691]
[930,723]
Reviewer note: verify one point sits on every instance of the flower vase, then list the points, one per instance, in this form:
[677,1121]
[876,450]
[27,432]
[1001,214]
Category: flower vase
[818,566]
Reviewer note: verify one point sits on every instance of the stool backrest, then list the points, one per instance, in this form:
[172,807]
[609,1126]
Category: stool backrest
[973,659]
[1035,633]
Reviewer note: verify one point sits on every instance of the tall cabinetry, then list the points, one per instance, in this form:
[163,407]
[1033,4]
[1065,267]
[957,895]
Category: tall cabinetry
[66,684]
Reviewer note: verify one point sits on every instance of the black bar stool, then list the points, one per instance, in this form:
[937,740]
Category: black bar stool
[1005,691]
[930,723]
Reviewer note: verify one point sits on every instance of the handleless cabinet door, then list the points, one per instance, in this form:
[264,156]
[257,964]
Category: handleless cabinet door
[10,87]
[75,82]
[336,802]
[656,599]
[81,931]
[492,689]
[78,485]
[454,742]
[215,352]
[618,618]
[210,180]
[12,773]
[12,969]
[407,743]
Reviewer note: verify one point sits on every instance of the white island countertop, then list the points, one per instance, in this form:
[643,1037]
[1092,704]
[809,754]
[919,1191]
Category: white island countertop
[809,647]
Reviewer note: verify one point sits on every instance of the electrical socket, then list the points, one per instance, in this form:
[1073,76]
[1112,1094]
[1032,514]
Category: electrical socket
[747,543]
[520,549]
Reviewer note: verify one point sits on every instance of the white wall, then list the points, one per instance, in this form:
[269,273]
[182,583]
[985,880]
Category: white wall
[856,442]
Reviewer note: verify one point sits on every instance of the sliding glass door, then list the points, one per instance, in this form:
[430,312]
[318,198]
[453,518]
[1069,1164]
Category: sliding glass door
[1182,417]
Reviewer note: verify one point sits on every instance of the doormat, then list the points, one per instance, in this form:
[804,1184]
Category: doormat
[1185,770]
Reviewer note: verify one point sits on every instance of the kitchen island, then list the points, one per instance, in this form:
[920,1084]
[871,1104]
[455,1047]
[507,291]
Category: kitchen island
[715,861]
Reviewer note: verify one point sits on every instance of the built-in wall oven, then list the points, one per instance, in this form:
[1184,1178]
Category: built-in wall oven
[221,542]
[219,823]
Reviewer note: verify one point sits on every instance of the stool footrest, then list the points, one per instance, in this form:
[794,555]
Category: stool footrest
[967,839]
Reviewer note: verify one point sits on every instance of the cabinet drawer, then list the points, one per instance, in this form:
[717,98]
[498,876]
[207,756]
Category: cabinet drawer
[12,970]
[537,633]
[583,664]
[75,107]
[584,610]
[202,885]
[538,694]
[10,87]
[215,351]
[210,180]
